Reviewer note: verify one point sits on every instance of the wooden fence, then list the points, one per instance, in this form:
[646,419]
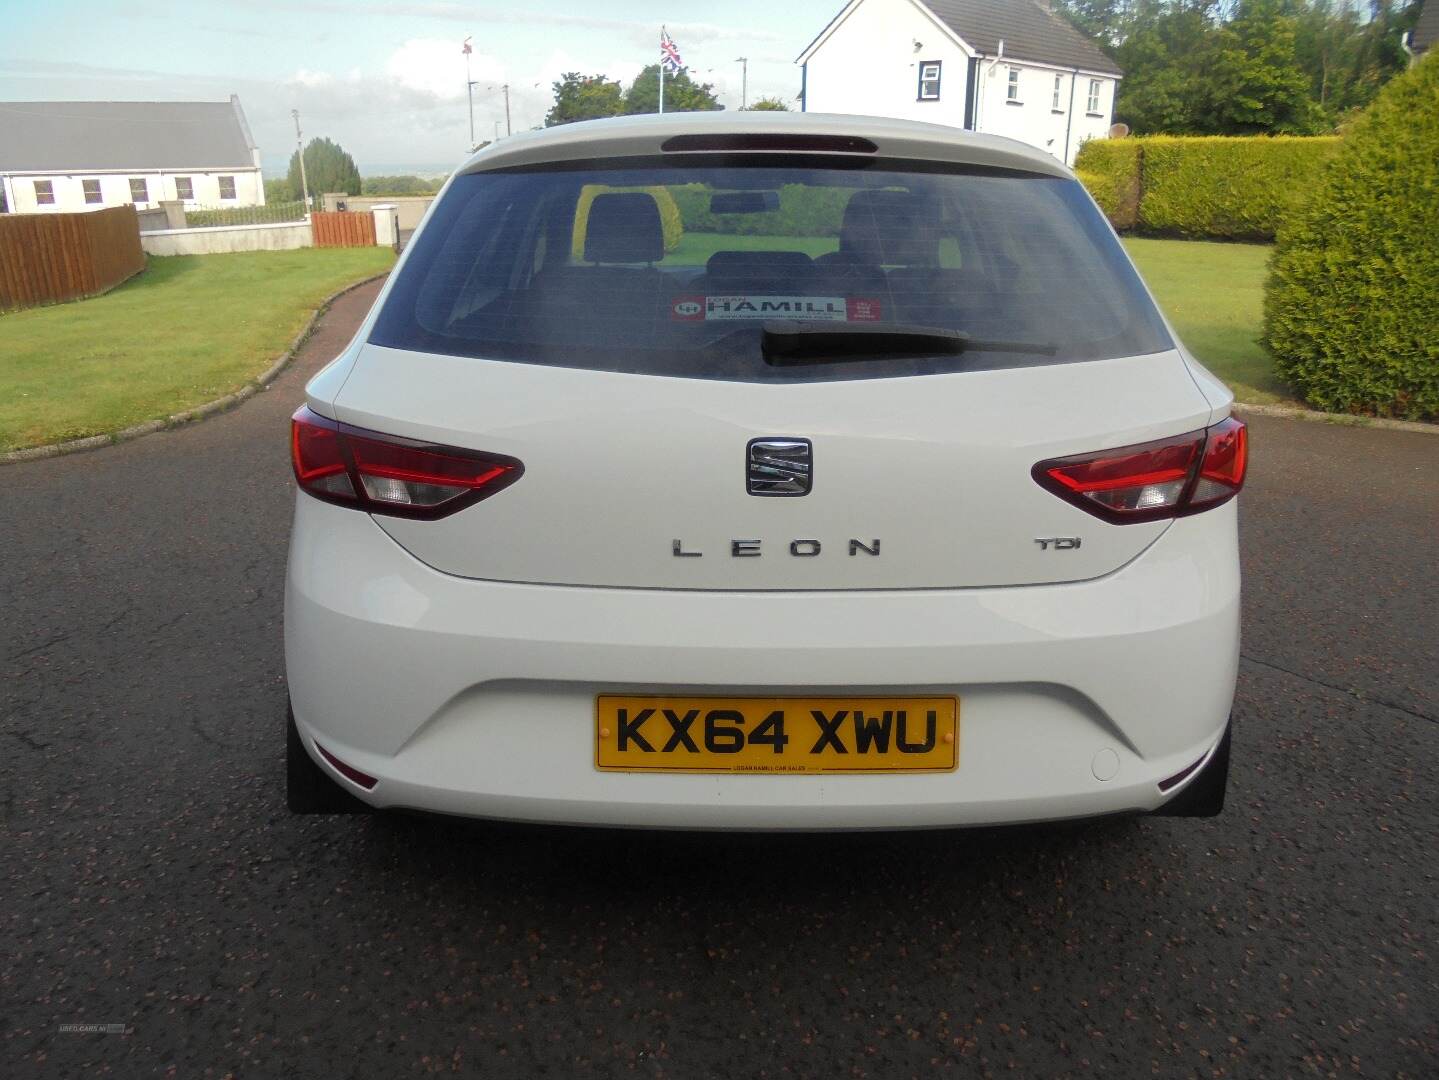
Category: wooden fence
[339,228]
[48,258]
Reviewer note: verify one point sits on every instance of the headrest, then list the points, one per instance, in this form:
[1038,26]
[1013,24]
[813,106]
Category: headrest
[892,228]
[624,227]
[751,264]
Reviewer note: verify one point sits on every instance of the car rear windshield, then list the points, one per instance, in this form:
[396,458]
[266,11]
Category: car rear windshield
[694,268]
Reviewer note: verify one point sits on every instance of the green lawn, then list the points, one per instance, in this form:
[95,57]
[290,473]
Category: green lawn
[189,329]
[694,249]
[1214,296]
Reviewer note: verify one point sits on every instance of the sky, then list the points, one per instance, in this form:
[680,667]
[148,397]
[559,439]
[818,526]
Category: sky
[385,78]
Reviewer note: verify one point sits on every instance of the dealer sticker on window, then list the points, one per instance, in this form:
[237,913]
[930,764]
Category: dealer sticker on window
[804,308]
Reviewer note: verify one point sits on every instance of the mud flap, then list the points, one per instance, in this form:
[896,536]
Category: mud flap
[308,788]
[1204,795]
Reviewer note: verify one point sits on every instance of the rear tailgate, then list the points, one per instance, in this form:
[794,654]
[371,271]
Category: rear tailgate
[640,481]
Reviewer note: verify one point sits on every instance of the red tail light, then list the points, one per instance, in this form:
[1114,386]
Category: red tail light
[1166,478]
[383,474]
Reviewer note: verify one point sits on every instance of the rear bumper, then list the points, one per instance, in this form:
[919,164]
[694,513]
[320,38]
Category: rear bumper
[477,698]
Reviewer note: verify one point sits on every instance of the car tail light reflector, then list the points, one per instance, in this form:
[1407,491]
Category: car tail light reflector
[349,772]
[1165,478]
[384,474]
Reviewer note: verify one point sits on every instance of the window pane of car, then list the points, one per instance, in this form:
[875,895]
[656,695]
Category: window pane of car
[640,268]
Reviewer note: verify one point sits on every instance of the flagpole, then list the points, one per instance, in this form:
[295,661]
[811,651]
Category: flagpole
[470,91]
[662,70]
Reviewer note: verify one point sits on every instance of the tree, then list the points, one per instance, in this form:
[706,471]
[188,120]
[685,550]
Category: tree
[1234,67]
[682,94]
[1252,83]
[584,97]
[1349,58]
[1103,20]
[327,168]
[1163,60]
[767,104]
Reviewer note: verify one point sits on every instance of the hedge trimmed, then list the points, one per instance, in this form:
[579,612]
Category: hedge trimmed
[1233,188]
[1352,305]
[1210,187]
[1109,168]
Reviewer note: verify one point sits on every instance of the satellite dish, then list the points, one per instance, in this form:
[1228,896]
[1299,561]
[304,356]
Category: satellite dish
[1118,131]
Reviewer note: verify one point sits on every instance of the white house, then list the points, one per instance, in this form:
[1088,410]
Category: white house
[1007,67]
[84,155]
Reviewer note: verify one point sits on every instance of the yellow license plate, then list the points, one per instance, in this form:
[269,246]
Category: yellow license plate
[776,735]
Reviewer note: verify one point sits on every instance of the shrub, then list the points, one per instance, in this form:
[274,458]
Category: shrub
[1227,188]
[1352,303]
[1109,168]
[670,220]
[269,214]
[1213,188]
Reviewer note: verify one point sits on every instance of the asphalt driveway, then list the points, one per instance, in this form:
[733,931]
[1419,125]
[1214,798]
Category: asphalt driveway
[153,880]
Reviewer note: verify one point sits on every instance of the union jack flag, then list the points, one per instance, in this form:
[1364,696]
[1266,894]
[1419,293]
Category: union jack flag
[669,54]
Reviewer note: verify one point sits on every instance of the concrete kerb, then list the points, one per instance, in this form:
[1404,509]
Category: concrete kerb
[199,412]
[1291,412]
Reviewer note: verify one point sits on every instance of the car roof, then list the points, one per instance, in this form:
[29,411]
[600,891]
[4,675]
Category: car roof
[635,136]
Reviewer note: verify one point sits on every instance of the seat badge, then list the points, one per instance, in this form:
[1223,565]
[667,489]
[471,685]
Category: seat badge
[779,466]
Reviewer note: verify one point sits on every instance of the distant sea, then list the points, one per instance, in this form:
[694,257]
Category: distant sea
[273,169]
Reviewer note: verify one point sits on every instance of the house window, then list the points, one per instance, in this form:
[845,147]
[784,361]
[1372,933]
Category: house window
[929,81]
[184,189]
[1012,94]
[227,187]
[139,191]
[1092,106]
[45,192]
[1058,86]
[92,190]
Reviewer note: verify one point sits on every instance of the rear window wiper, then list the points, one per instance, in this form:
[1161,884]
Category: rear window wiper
[787,341]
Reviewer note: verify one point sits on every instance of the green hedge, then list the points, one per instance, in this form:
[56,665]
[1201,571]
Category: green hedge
[1352,305]
[1109,168]
[1211,187]
[269,214]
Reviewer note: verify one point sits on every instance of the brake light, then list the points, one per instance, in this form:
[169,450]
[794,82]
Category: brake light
[384,474]
[1165,478]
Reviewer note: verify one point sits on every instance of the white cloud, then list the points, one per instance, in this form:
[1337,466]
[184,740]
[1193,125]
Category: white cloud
[437,67]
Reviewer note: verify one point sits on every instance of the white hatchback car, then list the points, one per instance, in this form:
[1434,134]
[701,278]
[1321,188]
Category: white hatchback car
[764,471]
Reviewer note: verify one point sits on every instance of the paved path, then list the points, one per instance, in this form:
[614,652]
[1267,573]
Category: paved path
[153,879]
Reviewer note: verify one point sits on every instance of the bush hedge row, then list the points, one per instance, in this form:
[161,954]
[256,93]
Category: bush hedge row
[1352,305]
[1210,187]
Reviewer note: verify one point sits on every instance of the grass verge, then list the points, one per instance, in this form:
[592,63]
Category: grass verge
[190,329]
[1214,296]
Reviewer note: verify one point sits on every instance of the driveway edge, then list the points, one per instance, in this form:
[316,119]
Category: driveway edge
[199,412]
[1289,412]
